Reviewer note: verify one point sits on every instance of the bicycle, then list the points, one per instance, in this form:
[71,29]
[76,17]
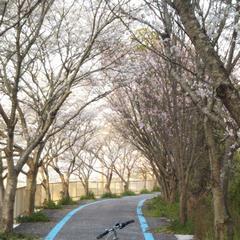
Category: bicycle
[114,229]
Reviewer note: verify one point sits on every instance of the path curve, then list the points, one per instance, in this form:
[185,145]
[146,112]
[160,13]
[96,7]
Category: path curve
[91,220]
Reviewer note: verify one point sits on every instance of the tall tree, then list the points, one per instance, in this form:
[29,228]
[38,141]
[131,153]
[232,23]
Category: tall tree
[32,79]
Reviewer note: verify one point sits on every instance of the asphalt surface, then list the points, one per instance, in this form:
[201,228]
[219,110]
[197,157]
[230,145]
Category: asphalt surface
[94,219]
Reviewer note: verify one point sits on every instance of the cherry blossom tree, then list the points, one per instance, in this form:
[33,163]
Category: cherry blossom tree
[43,58]
[85,163]
[126,163]
[206,36]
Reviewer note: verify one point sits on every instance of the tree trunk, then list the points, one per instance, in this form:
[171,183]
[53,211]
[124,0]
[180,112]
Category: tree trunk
[65,188]
[2,189]
[32,178]
[107,187]
[6,224]
[227,160]
[173,185]
[45,184]
[108,183]
[31,188]
[164,189]
[145,181]
[86,187]
[126,186]
[221,217]
[183,204]
[1,198]
[46,187]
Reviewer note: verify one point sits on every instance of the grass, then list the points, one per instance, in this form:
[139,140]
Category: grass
[109,195]
[177,228]
[35,217]
[90,196]
[156,189]
[51,205]
[15,236]
[144,191]
[67,201]
[157,207]
[200,221]
[128,193]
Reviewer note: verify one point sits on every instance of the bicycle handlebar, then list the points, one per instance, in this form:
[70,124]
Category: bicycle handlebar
[122,225]
[116,226]
[103,234]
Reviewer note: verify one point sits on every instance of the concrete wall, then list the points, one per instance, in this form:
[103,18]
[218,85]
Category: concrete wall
[76,190]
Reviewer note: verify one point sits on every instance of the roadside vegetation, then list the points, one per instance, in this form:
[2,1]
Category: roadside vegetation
[109,195]
[38,216]
[200,218]
[67,201]
[51,205]
[14,236]
[89,196]
[128,193]
[157,207]
[145,191]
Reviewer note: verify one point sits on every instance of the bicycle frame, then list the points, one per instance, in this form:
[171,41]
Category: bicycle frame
[114,235]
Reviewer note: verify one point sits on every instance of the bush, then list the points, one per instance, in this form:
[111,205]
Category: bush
[177,228]
[128,193]
[35,217]
[16,236]
[67,201]
[156,189]
[157,207]
[144,191]
[90,195]
[109,195]
[51,205]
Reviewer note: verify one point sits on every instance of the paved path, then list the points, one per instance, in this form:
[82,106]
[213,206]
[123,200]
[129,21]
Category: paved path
[90,221]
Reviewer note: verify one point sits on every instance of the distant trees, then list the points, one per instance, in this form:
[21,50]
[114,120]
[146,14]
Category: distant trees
[107,152]
[66,147]
[86,161]
[126,163]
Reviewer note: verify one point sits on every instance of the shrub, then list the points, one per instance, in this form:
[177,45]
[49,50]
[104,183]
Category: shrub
[109,195]
[16,236]
[90,195]
[156,189]
[128,193]
[66,201]
[177,228]
[35,217]
[144,191]
[51,205]
[157,207]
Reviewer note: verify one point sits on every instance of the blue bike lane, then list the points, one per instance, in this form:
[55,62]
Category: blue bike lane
[87,221]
